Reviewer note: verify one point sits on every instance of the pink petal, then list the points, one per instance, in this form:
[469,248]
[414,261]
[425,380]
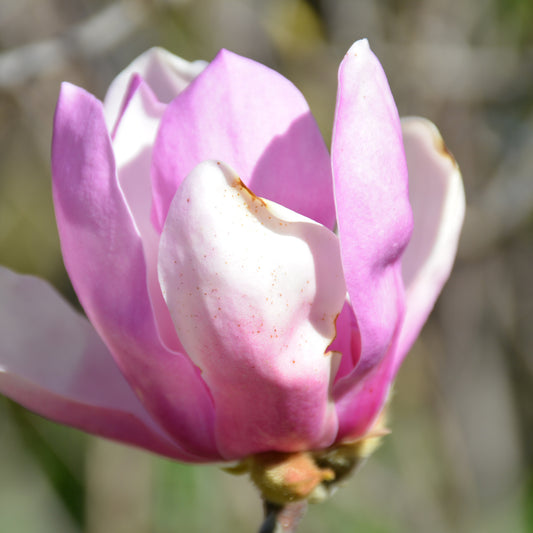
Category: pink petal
[437,196]
[256,121]
[254,289]
[166,74]
[53,362]
[132,144]
[374,216]
[104,257]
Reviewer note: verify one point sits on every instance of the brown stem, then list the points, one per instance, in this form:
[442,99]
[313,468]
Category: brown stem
[282,518]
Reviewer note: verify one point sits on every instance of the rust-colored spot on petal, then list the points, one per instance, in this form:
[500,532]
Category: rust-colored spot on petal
[441,147]
[239,184]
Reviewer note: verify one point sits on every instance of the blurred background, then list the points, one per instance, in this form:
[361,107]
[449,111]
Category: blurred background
[460,457]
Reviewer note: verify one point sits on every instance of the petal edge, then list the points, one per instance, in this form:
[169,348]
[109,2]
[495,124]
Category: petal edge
[53,362]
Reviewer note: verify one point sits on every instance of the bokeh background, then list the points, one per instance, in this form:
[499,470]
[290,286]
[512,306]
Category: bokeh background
[460,457]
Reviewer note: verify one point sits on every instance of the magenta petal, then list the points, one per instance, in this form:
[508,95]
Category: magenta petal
[437,196]
[374,215]
[347,341]
[104,257]
[254,289]
[53,362]
[360,398]
[252,118]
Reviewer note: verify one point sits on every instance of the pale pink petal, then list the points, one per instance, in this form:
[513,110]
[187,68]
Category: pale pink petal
[166,74]
[373,213]
[256,121]
[135,82]
[53,362]
[437,196]
[104,257]
[254,289]
[132,144]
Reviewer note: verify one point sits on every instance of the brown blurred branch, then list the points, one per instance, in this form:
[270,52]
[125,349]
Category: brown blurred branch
[282,518]
[93,37]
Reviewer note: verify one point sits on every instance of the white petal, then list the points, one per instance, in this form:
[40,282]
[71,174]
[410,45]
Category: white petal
[253,289]
[437,197]
[166,74]
[132,145]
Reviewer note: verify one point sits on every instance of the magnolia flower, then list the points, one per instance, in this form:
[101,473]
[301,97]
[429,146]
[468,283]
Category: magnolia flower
[246,291]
